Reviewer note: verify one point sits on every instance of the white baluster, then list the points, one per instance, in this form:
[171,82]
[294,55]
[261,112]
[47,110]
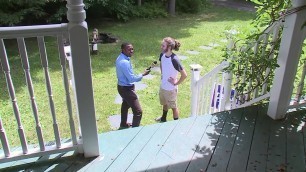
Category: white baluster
[268,70]
[61,50]
[300,86]
[195,76]
[255,92]
[234,101]
[200,109]
[4,141]
[44,62]
[10,86]
[207,103]
[213,87]
[226,85]
[216,93]
[26,67]
[242,96]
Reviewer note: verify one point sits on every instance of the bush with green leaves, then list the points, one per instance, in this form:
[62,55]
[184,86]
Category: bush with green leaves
[125,9]
[149,10]
[190,6]
[20,12]
[249,67]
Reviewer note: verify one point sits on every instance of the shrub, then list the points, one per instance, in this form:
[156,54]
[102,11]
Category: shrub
[190,6]
[149,10]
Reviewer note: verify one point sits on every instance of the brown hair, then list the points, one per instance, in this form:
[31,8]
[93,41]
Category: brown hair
[174,44]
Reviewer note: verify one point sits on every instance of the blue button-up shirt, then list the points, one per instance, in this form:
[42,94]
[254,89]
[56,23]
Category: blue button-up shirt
[124,70]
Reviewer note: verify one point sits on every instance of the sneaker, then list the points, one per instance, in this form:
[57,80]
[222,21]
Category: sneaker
[127,125]
[159,119]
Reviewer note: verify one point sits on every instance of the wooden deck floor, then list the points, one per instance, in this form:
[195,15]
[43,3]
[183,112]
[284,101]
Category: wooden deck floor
[240,140]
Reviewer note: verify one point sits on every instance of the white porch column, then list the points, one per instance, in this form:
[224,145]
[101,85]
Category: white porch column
[81,66]
[288,58]
[195,76]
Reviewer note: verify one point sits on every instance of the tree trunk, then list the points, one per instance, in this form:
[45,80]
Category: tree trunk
[171,7]
[139,3]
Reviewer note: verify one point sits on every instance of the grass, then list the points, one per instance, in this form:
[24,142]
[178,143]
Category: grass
[192,30]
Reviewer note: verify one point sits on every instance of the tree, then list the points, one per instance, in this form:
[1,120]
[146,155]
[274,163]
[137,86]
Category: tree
[139,2]
[31,12]
[171,7]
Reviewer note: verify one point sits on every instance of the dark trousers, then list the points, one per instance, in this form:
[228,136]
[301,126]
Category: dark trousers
[130,100]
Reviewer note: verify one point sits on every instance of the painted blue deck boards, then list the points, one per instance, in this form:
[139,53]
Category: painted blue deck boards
[241,140]
[259,149]
[149,152]
[240,153]
[111,146]
[168,152]
[132,150]
[277,146]
[226,142]
[205,149]
[295,144]
[188,140]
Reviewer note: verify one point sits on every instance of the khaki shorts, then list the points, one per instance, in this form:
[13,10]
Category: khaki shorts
[168,98]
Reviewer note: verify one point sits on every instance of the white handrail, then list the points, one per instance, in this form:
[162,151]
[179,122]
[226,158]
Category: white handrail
[216,70]
[32,31]
[258,99]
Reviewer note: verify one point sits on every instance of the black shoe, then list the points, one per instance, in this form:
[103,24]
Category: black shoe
[125,126]
[160,119]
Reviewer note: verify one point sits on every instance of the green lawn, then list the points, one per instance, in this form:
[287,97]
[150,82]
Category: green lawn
[192,30]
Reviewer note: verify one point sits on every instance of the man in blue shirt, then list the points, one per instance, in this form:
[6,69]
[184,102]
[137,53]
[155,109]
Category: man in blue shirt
[126,87]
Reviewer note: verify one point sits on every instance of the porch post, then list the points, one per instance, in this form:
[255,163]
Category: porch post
[195,76]
[81,66]
[288,58]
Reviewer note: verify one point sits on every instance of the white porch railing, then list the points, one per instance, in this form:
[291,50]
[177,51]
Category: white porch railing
[215,91]
[76,30]
[38,32]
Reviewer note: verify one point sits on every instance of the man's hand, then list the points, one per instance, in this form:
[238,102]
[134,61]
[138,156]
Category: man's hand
[172,80]
[175,82]
[146,72]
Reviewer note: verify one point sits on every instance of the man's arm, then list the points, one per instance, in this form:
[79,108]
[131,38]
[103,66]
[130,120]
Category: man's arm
[161,71]
[129,74]
[182,78]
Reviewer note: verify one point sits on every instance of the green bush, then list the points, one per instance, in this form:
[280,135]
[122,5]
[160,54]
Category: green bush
[149,10]
[31,12]
[124,10]
[190,6]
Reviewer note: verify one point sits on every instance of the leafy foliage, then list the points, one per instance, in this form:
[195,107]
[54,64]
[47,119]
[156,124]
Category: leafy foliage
[16,11]
[30,12]
[20,12]
[254,68]
[190,6]
[125,10]
[150,10]
[269,11]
